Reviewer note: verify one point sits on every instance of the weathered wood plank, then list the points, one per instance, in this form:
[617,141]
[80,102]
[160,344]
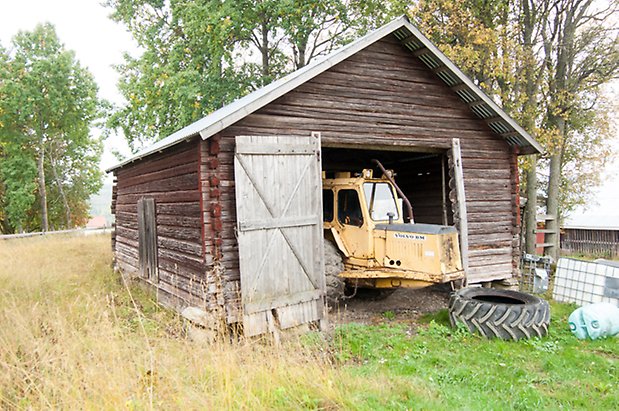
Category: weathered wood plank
[181,182]
[176,169]
[186,196]
[180,154]
[280,235]
[272,223]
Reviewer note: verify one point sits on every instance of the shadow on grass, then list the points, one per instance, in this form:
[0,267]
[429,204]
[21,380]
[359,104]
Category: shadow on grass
[439,317]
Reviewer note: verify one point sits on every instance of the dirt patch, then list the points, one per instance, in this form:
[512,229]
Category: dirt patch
[405,305]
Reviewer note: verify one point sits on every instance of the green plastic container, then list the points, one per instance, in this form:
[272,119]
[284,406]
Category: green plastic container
[595,321]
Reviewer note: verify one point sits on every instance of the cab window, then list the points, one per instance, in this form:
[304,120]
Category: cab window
[348,208]
[327,205]
[380,200]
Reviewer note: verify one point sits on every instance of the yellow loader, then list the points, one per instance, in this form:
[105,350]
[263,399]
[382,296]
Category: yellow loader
[369,246]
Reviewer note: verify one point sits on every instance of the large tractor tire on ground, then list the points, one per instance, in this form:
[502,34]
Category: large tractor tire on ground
[334,265]
[509,315]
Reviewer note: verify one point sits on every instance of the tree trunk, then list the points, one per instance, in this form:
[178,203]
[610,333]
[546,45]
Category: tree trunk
[42,188]
[301,62]
[552,203]
[266,70]
[557,91]
[63,196]
[529,21]
[301,48]
[530,210]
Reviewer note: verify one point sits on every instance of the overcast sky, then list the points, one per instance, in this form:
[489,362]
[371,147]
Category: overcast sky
[84,27]
[99,43]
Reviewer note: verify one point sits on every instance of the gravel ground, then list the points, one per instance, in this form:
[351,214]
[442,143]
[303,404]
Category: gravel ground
[404,305]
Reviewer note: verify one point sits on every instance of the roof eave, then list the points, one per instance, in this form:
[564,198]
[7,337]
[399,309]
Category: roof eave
[535,147]
[239,109]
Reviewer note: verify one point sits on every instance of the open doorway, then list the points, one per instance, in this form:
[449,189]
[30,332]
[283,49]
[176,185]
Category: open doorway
[423,177]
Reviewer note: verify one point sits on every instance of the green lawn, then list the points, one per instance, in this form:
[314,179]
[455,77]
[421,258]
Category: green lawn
[72,335]
[451,369]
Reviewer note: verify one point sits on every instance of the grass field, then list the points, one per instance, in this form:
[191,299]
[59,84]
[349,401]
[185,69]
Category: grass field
[72,335]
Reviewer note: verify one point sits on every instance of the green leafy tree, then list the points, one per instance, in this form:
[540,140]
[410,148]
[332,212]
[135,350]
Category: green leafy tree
[581,53]
[314,27]
[545,62]
[49,102]
[18,172]
[198,56]
[186,70]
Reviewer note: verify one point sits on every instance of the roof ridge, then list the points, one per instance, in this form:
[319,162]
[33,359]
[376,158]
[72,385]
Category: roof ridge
[244,106]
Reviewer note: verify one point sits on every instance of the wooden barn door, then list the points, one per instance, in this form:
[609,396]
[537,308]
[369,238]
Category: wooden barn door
[279,208]
[147,239]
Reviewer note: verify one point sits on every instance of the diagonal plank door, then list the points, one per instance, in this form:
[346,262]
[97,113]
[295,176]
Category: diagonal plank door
[279,209]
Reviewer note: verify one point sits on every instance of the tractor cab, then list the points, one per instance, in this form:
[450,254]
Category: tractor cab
[363,216]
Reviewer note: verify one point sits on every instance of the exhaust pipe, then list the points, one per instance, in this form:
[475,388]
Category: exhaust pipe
[409,207]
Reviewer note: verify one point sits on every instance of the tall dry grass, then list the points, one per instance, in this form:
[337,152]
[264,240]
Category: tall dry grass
[70,337]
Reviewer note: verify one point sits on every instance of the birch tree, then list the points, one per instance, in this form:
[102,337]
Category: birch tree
[581,50]
[49,103]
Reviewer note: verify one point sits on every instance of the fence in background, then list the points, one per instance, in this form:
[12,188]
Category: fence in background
[590,241]
[77,231]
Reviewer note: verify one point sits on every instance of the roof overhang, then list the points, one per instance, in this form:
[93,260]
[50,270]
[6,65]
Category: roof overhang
[479,102]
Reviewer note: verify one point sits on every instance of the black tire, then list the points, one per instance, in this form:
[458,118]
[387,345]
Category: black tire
[508,315]
[334,265]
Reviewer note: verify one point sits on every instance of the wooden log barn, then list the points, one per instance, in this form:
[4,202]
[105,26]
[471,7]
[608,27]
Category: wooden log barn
[226,213]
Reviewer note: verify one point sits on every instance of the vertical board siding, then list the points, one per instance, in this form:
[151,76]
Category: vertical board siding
[279,207]
[384,96]
[147,239]
[604,243]
[171,180]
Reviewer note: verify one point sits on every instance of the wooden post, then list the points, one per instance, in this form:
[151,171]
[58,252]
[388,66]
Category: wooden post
[444,190]
[319,246]
[461,197]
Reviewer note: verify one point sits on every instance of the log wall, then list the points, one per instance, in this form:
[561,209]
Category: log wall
[381,97]
[384,96]
[171,179]
[219,238]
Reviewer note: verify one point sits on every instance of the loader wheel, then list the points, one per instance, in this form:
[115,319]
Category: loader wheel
[508,315]
[333,267]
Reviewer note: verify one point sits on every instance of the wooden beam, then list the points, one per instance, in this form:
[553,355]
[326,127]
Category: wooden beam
[510,134]
[420,51]
[476,103]
[493,119]
[544,231]
[460,87]
[441,69]
[444,189]
[461,197]
[272,223]
[266,149]
[543,245]
[410,38]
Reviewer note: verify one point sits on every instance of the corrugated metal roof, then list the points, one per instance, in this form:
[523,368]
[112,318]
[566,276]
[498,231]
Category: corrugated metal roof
[411,38]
